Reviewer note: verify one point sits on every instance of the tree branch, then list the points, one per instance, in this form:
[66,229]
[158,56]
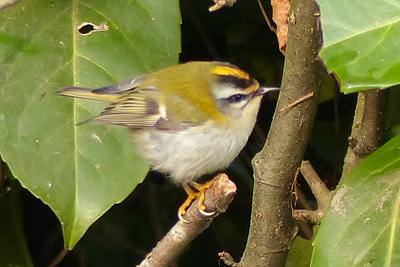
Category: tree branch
[272,227]
[318,188]
[368,127]
[217,198]
[321,193]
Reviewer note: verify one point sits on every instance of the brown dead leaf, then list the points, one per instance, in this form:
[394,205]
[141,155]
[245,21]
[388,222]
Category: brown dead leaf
[280,15]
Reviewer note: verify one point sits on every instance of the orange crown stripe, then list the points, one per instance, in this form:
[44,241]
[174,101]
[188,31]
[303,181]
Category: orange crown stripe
[230,71]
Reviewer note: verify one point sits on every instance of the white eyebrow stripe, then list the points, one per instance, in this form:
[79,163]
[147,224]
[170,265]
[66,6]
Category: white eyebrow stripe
[223,92]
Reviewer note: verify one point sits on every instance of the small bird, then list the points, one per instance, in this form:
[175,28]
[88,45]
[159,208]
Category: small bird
[187,120]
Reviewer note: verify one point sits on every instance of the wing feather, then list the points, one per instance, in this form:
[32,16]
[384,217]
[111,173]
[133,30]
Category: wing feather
[134,103]
[121,87]
[136,109]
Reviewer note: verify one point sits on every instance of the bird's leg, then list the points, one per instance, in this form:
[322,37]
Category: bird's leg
[202,188]
[192,195]
[195,190]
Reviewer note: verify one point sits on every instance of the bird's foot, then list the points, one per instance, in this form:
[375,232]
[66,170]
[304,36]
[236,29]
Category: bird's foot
[195,191]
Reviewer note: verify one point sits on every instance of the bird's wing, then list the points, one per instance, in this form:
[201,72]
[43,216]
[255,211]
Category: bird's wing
[139,109]
[136,109]
[137,104]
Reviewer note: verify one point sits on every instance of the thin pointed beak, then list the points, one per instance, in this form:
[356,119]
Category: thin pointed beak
[266,90]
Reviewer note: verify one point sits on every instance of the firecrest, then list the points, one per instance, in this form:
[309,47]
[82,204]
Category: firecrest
[187,120]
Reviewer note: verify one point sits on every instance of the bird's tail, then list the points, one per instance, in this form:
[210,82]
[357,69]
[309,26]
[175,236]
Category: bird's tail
[87,93]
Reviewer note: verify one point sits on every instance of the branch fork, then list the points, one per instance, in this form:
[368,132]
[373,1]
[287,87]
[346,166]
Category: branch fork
[321,193]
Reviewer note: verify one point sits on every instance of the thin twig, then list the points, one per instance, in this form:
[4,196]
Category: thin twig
[319,189]
[217,199]
[220,4]
[227,258]
[321,192]
[266,18]
[298,101]
[294,185]
[61,255]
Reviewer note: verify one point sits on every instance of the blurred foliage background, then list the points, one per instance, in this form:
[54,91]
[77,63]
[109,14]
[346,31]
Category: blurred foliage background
[126,233]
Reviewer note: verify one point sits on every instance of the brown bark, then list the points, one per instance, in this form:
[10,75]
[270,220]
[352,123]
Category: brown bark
[272,226]
[321,193]
[368,127]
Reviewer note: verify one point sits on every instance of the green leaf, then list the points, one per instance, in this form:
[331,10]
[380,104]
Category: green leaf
[13,245]
[361,42]
[300,253]
[79,171]
[362,225]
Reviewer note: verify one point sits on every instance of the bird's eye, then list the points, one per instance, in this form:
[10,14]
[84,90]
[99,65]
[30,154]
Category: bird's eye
[236,98]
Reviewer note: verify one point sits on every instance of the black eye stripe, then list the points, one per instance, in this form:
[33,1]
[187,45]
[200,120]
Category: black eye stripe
[237,98]
[235,81]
